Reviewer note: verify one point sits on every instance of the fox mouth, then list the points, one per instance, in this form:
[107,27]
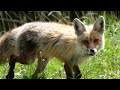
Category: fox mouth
[92,54]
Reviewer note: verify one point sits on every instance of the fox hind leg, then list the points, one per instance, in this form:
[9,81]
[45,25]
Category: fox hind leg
[41,64]
[12,62]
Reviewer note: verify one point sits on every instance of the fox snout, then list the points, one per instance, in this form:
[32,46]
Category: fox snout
[92,51]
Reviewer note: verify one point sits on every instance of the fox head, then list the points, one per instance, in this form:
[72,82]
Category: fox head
[90,37]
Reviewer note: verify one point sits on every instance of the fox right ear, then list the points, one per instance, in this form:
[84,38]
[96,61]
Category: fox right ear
[78,26]
[99,25]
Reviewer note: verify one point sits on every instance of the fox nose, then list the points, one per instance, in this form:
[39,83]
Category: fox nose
[92,51]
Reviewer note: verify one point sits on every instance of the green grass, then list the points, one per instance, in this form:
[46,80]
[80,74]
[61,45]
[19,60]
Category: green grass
[105,65]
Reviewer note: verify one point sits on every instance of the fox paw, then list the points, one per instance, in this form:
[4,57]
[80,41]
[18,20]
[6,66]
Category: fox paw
[78,76]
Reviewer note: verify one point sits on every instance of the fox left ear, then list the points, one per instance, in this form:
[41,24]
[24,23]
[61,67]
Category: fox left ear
[99,25]
[78,26]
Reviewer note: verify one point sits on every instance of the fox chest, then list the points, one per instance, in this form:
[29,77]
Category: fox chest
[79,59]
[80,55]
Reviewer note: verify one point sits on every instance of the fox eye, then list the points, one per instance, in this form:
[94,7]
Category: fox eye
[85,42]
[96,40]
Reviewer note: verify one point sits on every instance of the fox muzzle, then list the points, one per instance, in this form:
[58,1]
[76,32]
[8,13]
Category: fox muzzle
[92,51]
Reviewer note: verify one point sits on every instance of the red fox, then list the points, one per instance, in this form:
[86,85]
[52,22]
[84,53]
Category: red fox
[72,44]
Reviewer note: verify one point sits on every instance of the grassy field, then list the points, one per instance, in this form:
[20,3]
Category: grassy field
[105,65]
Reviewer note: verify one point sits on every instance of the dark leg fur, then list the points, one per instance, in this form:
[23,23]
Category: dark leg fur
[77,72]
[13,59]
[11,68]
[68,71]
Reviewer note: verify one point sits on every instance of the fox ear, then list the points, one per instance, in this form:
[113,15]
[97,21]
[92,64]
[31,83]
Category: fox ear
[99,25]
[78,26]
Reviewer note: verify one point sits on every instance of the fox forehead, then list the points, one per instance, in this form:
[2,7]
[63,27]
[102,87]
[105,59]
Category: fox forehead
[90,34]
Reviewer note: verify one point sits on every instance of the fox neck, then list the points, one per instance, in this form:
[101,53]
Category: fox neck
[79,55]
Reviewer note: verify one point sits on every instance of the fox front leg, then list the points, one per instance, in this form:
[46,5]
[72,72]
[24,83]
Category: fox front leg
[68,71]
[77,72]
